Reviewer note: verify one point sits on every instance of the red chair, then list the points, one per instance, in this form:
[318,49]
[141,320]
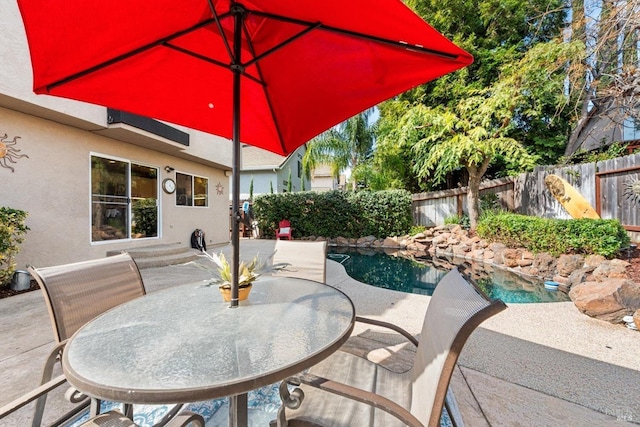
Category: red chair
[284,230]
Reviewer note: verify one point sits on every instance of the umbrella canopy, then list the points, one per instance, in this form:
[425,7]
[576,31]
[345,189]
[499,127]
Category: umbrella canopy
[270,73]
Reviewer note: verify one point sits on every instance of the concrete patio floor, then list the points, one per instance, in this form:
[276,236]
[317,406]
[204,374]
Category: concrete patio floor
[531,365]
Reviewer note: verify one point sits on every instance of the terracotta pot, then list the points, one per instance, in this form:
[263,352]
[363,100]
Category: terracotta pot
[243,293]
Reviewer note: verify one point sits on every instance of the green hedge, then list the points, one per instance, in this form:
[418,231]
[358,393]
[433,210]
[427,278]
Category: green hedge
[336,213]
[604,237]
[12,231]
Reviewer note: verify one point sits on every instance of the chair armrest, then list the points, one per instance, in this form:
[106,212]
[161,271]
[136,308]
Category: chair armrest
[32,395]
[391,326]
[353,393]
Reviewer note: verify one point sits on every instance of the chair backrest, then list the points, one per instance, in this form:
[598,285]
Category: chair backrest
[284,224]
[303,259]
[456,308]
[284,229]
[76,293]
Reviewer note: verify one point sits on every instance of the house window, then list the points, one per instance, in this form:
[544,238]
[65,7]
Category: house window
[299,169]
[192,190]
[631,129]
[124,200]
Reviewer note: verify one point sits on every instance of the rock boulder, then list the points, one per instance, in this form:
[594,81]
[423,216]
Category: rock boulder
[610,300]
[567,264]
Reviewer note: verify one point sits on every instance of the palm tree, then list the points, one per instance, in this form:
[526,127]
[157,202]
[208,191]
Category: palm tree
[347,145]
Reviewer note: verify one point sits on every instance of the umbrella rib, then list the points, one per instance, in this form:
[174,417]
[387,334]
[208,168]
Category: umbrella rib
[219,25]
[212,61]
[401,44]
[264,86]
[283,44]
[163,41]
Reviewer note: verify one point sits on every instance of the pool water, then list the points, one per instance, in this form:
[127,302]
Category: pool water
[378,269]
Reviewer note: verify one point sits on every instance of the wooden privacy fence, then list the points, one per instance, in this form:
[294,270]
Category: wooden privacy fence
[432,208]
[606,185]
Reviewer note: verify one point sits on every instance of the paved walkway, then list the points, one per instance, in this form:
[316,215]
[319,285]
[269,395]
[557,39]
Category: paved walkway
[531,365]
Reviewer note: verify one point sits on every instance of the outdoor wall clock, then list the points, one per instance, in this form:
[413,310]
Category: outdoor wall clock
[169,185]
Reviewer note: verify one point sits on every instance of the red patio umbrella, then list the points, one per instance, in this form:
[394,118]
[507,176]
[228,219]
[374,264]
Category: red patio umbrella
[270,73]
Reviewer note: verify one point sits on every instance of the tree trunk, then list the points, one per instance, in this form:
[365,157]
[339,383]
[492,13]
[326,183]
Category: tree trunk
[473,192]
[473,199]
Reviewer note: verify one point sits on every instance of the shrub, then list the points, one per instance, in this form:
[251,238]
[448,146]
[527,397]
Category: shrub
[556,236]
[336,213]
[463,220]
[415,229]
[12,230]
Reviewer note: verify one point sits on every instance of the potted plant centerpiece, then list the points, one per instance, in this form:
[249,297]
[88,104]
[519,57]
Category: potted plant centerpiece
[248,274]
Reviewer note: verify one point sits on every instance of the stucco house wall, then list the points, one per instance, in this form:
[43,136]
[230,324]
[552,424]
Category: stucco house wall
[54,183]
[266,168]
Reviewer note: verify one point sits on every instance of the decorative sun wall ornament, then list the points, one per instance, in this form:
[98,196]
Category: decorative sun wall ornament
[219,189]
[632,189]
[9,153]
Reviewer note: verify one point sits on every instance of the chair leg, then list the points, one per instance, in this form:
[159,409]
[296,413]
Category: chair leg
[47,375]
[95,407]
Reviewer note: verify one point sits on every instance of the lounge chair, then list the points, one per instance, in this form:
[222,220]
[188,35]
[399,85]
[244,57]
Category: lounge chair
[284,230]
[347,390]
[302,259]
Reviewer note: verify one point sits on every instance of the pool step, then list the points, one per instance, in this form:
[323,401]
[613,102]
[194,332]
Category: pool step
[160,255]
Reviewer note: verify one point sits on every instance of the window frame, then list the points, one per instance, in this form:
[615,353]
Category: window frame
[193,198]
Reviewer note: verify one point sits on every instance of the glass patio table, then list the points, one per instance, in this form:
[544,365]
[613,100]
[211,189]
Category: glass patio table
[184,344]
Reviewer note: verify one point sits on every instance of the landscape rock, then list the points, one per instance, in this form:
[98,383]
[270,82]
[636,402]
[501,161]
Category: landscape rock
[614,269]
[610,300]
[417,247]
[578,276]
[390,242]
[461,250]
[510,257]
[599,287]
[365,241]
[593,261]
[567,264]
[524,262]
[477,254]
[545,264]
[561,279]
[341,241]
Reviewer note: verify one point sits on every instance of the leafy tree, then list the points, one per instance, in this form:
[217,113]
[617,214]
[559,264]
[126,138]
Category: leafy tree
[251,189]
[604,82]
[498,34]
[348,145]
[477,131]
[460,139]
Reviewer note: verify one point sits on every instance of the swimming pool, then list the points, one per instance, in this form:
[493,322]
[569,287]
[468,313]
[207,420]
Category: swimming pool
[378,269]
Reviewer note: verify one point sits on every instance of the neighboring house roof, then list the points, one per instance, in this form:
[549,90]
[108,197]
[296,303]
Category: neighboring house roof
[254,158]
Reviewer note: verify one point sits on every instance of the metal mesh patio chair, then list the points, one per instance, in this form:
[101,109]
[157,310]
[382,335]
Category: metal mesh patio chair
[77,293]
[116,419]
[347,390]
[302,259]
[112,418]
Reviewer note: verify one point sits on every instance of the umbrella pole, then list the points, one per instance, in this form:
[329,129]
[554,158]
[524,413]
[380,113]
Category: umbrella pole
[236,68]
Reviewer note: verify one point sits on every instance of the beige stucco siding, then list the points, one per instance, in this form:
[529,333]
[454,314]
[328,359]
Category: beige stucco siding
[53,185]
